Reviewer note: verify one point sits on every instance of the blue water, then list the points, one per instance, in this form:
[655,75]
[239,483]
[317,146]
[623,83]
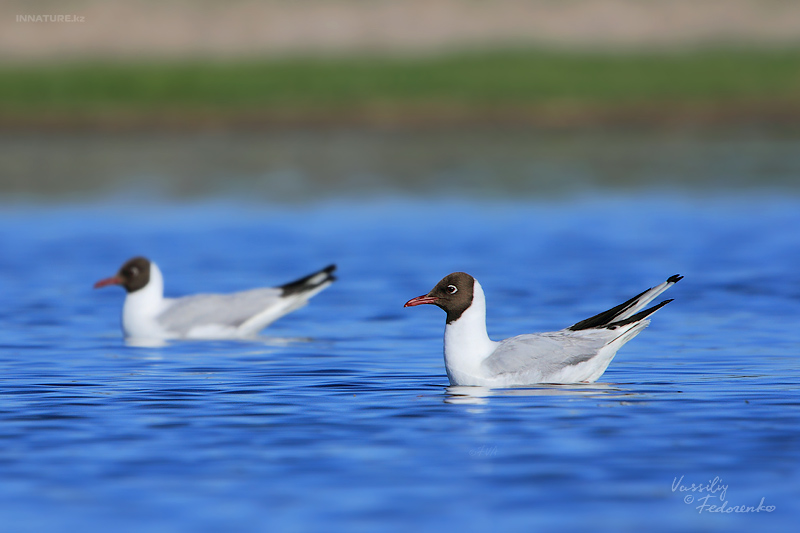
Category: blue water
[341,418]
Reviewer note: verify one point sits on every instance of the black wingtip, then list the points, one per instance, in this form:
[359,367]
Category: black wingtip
[304,284]
[607,318]
[329,271]
[641,315]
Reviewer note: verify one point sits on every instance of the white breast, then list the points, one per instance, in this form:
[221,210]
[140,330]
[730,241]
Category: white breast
[143,306]
[466,343]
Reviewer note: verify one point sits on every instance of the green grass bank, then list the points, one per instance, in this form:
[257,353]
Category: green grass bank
[503,85]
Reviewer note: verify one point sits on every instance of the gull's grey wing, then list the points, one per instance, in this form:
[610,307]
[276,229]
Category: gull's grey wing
[544,354]
[559,355]
[227,310]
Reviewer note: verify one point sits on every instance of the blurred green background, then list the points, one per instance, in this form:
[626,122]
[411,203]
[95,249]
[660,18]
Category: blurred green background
[307,97]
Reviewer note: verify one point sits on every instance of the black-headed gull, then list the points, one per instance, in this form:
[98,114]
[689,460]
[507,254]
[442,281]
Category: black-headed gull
[146,314]
[579,353]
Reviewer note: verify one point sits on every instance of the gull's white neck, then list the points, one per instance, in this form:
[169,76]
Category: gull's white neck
[143,306]
[466,343]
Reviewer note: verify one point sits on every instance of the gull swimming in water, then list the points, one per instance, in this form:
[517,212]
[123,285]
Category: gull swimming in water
[147,314]
[579,353]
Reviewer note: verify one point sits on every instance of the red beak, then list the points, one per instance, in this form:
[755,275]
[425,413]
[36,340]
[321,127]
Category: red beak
[113,280]
[419,300]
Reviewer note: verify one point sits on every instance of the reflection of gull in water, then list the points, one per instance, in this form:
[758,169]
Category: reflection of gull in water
[478,395]
[266,341]
[137,342]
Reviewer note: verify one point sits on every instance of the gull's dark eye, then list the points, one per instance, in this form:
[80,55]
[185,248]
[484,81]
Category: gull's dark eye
[134,271]
[452,289]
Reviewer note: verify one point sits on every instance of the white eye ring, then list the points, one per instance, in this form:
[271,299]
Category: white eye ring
[452,289]
[134,271]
